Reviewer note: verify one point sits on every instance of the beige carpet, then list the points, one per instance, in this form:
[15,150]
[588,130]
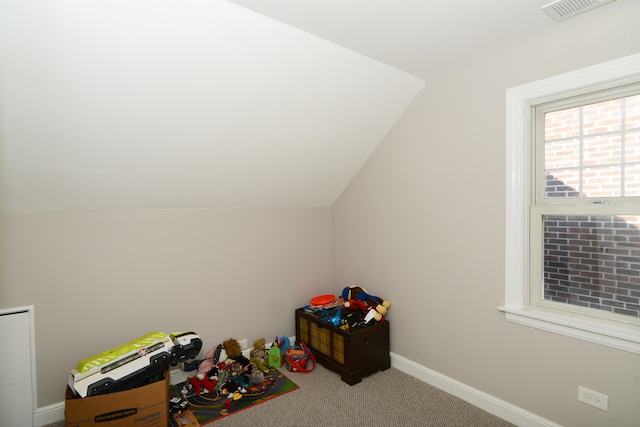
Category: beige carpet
[388,398]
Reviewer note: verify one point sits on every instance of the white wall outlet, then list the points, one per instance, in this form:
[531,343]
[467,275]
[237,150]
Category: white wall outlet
[243,343]
[593,398]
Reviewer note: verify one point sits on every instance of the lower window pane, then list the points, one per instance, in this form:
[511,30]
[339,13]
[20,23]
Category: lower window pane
[593,261]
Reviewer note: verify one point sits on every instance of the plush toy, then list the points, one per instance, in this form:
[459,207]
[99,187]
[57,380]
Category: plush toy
[356,312]
[232,348]
[356,292]
[236,362]
[207,376]
[233,392]
[223,377]
[356,305]
[256,377]
[259,356]
[209,365]
[206,384]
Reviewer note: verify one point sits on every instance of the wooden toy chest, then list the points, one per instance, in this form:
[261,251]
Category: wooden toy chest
[352,354]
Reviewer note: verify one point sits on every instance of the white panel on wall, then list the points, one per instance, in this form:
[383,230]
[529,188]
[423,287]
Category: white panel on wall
[16,397]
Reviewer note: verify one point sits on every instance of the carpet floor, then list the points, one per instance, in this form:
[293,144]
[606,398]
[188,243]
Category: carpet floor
[390,397]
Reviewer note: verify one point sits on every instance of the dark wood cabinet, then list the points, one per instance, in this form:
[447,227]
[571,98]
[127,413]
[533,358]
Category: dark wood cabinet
[352,354]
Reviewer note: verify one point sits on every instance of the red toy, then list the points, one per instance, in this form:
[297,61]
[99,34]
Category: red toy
[355,292]
[359,311]
[207,376]
[207,384]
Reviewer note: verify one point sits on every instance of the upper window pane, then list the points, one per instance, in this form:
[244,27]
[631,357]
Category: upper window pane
[593,150]
[632,112]
[602,117]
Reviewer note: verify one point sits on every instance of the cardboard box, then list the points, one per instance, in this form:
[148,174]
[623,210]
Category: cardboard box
[142,406]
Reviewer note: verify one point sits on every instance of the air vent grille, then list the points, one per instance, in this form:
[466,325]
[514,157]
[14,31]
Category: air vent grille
[563,9]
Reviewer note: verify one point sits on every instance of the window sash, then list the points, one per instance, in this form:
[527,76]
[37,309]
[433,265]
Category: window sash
[541,205]
[605,92]
[535,295]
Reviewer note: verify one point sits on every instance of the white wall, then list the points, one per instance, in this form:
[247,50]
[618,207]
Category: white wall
[99,279]
[422,225]
[147,104]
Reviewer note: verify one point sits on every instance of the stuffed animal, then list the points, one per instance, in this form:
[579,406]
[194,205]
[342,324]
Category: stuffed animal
[207,376]
[356,292]
[355,312]
[209,365]
[256,377]
[206,384]
[232,390]
[259,356]
[223,377]
[232,348]
[236,361]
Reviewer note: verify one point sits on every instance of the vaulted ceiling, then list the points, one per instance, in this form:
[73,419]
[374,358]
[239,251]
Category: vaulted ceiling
[121,104]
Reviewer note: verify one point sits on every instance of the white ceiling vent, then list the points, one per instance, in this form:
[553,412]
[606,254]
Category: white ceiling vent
[563,9]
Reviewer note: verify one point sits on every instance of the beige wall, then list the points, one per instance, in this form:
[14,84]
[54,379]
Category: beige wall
[100,279]
[422,224]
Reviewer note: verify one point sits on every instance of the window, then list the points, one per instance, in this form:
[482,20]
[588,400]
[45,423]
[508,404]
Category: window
[573,204]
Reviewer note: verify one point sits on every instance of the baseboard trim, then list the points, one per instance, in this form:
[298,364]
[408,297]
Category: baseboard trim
[482,400]
[48,414]
[493,405]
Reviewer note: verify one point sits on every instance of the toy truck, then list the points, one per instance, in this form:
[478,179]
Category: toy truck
[132,364]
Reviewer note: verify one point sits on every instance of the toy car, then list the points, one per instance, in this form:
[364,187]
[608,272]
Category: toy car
[186,345]
[177,404]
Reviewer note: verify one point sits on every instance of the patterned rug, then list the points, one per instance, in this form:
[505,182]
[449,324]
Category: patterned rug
[209,407]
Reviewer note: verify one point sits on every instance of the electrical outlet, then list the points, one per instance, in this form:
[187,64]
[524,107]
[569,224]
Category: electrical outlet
[593,398]
[243,343]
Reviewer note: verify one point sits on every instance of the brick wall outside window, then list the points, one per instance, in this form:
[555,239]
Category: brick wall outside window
[593,261]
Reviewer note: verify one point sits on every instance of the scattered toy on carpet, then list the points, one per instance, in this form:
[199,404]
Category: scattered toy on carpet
[259,355]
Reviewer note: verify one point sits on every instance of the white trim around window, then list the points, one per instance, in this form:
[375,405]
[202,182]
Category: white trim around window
[518,175]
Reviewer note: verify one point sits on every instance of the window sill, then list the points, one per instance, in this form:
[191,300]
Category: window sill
[597,333]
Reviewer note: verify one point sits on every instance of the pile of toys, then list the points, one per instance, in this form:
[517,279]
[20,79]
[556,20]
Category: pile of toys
[354,308]
[227,371]
[133,364]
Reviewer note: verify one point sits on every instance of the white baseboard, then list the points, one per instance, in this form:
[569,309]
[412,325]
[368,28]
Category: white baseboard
[480,399]
[493,405]
[48,414]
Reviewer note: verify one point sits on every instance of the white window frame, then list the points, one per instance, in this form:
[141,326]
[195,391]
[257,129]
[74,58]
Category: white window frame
[519,174]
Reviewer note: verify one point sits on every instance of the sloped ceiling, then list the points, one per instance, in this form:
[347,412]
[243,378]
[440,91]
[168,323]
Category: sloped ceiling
[427,38]
[121,104]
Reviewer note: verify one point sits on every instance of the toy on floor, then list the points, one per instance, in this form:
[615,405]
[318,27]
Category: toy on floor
[256,377]
[236,361]
[278,348]
[223,377]
[207,376]
[209,366]
[297,358]
[356,292]
[233,392]
[259,355]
